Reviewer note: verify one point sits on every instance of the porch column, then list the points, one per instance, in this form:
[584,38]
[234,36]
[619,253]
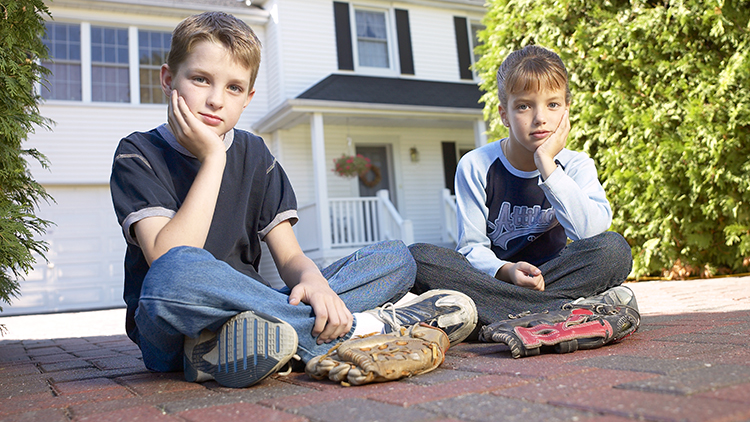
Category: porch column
[319,174]
[480,133]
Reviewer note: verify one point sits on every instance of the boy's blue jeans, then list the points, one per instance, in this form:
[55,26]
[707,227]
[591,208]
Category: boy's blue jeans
[187,290]
[583,268]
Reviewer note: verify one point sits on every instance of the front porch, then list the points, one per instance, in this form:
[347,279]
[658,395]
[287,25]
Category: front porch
[353,223]
[411,121]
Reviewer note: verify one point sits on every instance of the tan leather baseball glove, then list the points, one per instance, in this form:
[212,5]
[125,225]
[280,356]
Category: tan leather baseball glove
[382,357]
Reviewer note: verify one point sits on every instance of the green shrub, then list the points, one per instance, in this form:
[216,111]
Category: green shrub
[21,29]
[661,102]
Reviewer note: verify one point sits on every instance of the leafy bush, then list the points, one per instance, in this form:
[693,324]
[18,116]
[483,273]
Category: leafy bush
[661,102]
[21,29]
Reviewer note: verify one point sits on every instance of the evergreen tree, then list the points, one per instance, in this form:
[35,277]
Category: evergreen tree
[661,102]
[21,31]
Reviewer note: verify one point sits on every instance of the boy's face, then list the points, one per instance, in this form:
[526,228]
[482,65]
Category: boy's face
[532,116]
[215,87]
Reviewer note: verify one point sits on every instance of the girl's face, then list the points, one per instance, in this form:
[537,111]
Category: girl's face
[532,116]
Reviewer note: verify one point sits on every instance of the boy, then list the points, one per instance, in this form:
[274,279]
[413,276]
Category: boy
[195,197]
[520,199]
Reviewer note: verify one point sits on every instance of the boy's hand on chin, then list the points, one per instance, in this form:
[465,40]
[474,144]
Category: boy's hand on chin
[190,132]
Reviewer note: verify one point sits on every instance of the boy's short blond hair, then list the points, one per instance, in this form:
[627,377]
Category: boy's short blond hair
[225,29]
[532,68]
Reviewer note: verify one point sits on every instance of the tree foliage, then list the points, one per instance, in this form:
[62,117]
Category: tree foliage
[660,101]
[21,30]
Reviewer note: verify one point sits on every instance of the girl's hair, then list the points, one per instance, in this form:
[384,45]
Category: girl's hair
[222,28]
[532,68]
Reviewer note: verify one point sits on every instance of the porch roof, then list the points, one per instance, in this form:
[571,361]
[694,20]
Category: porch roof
[369,97]
[369,89]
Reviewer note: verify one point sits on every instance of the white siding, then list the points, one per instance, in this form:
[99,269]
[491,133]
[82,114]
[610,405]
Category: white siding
[272,60]
[296,150]
[258,106]
[309,42]
[433,41]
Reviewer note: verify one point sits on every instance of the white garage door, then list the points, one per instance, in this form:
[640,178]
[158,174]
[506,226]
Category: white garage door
[86,250]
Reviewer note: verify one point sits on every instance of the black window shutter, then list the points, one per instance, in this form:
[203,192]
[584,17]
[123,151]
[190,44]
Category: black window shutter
[450,161]
[464,50]
[343,35]
[404,42]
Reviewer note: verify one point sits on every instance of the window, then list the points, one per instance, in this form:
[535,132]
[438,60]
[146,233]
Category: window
[110,80]
[372,38]
[153,48]
[63,42]
[475,29]
[116,64]
[467,40]
[373,41]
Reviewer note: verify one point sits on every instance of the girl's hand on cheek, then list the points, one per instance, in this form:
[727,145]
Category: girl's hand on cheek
[556,140]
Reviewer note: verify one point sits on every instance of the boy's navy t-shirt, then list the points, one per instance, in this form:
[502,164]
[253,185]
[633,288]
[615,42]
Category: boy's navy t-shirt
[151,176]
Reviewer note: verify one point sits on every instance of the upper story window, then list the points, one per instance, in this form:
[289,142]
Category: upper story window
[63,42]
[475,27]
[153,48]
[90,63]
[110,80]
[466,41]
[374,41]
[372,38]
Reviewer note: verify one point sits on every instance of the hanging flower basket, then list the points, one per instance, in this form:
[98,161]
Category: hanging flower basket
[351,166]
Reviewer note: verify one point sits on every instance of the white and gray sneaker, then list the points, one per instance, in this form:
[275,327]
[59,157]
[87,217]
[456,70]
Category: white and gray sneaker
[451,311]
[615,296]
[246,349]
[616,299]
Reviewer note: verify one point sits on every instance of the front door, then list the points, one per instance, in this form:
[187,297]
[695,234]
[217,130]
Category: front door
[379,177]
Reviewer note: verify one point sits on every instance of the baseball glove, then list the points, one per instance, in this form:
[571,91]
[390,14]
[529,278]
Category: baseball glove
[567,330]
[382,357]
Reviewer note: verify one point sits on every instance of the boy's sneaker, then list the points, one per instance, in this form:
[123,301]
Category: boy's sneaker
[451,311]
[248,348]
[616,296]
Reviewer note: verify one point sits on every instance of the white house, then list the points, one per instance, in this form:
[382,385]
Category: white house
[387,79]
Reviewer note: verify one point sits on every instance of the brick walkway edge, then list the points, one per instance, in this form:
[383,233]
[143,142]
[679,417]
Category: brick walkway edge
[680,367]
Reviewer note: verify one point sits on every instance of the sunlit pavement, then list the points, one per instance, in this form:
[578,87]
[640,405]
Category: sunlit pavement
[690,361]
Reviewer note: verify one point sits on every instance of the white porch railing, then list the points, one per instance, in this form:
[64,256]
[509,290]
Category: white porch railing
[355,222]
[448,207]
[392,226]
